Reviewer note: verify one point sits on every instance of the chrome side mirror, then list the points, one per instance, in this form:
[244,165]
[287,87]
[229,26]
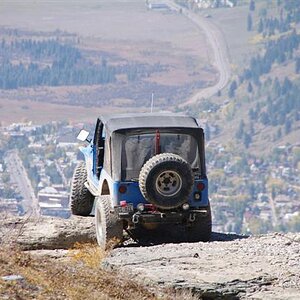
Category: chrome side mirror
[83,136]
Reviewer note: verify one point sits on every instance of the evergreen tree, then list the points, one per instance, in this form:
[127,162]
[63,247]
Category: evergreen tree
[240,132]
[287,126]
[264,118]
[247,140]
[252,114]
[252,5]
[249,23]
[251,127]
[232,88]
[260,28]
[279,133]
[297,67]
[250,88]
[207,132]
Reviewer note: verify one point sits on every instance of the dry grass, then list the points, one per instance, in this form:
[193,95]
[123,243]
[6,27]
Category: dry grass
[79,276]
[68,274]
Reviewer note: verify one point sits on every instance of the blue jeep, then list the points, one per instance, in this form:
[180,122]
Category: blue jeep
[142,171]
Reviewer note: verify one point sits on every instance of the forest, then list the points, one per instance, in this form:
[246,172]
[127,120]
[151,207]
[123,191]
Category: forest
[51,62]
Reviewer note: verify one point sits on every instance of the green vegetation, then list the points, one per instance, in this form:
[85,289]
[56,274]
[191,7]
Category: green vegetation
[55,63]
[252,156]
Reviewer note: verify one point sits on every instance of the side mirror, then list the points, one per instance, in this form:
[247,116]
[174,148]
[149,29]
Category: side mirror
[83,136]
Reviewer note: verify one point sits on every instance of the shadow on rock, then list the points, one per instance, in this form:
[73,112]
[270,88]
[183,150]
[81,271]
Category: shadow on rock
[155,237]
[226,237]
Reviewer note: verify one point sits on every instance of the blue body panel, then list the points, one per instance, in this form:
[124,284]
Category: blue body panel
[134,195]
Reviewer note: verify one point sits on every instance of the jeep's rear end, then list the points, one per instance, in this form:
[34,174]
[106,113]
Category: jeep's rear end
[182,201]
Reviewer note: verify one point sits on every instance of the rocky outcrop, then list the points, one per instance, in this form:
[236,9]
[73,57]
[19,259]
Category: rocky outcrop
[230,266]
[258,267]
[47,232]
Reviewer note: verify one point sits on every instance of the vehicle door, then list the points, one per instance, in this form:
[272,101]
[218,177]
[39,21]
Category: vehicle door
[98,148]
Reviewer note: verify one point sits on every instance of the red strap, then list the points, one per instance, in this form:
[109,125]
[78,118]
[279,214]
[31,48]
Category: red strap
[157,142]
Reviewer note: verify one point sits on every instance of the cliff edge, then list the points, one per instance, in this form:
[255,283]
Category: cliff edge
[230,266]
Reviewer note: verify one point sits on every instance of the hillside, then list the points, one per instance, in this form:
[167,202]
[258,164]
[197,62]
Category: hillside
[263,93]
[252,126]
[229,267]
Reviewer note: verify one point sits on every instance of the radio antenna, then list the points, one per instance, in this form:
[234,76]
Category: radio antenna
[152,101]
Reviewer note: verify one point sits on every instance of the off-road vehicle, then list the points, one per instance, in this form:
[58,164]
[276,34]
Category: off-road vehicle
[144,171]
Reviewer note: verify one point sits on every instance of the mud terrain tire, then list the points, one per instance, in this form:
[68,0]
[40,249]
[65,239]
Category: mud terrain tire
[109,229]
[166,180]
[81,200]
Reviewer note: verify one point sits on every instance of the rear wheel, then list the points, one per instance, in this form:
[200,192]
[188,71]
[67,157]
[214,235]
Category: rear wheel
[109,229]
[81,200]
[200,229]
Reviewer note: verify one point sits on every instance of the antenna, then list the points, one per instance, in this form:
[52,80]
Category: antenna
[152,101]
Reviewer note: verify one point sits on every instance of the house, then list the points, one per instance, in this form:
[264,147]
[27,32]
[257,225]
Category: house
[53,203]
[158,6]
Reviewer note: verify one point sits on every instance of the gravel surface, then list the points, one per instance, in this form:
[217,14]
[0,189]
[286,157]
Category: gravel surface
[259,267]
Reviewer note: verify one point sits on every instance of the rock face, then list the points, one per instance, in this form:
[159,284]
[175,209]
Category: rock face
[229,267]
[47,232]
[259,267]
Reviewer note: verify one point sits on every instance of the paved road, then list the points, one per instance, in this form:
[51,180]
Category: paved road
[219,49]
[19,176]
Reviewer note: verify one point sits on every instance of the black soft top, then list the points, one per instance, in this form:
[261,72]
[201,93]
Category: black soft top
[147,120]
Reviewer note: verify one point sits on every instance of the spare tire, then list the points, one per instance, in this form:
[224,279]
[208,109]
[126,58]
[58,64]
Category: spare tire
[166,180]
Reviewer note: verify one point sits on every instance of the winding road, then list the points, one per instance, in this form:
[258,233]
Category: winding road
[219,49]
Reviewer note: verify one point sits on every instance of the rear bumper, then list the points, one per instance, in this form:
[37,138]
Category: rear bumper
[165,217]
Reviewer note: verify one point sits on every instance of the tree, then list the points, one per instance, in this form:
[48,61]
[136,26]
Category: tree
[207,132]
[247,140]
[252,5]
[250,88]
[279,133]
[251,128]
[240,132]
[264,118]
[260,28]
[287,126]
[252,114]
[249,23]
[232,88]
[297,67]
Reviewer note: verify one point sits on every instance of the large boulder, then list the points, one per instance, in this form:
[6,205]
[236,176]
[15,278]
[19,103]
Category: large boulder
[47,232]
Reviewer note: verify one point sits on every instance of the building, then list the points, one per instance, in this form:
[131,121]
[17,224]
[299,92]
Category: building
[53,203]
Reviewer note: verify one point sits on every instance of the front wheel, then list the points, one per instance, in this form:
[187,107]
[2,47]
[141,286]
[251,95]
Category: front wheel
[81,200]
[109,229]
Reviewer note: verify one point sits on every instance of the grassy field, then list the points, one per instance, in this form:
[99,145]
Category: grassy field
[14,111]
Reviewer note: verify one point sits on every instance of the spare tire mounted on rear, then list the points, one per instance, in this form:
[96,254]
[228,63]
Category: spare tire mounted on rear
[166,180]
